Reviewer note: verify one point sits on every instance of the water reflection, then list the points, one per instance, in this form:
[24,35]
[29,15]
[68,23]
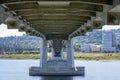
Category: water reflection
[56,78]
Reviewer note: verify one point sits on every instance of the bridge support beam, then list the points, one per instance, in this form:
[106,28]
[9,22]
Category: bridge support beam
[57,65]
[70,54]
[57,46]
[43,54]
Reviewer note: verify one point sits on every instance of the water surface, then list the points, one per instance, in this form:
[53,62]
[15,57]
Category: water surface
[94,70]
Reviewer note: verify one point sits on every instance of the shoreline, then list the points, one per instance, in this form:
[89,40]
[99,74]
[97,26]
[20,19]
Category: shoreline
[74,60]
[77,56]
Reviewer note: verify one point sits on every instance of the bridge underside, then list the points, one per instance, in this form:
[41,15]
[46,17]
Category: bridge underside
[58,21]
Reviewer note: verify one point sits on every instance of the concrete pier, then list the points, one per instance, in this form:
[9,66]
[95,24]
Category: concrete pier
[56,71]
[57,65]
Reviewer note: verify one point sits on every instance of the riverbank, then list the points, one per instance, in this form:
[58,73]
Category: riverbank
[97,56]
[81,56]
[19,56]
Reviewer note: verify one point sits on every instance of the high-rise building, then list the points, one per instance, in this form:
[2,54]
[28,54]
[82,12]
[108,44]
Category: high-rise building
[108,42]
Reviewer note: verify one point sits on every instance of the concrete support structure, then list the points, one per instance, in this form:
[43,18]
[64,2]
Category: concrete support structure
[57,49]
[53,53]
[43,54]
[70,54]
[57,65]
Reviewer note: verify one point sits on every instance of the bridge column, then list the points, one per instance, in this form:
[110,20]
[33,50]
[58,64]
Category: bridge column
[62,53]
[57,65]
[53,53]
[57,51]
[113,18]
[70,54]
[43,54]
[3,15]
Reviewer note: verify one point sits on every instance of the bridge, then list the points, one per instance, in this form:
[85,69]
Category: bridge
[57,22]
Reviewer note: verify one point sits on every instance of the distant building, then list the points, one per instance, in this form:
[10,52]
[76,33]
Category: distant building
[108,42]
[90,48]
[85,48]
[96,48]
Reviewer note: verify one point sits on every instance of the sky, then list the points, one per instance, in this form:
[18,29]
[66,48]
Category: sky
[110,27]
[4,32]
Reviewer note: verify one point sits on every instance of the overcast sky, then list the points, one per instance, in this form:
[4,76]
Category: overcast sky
[110,27]
[4,32]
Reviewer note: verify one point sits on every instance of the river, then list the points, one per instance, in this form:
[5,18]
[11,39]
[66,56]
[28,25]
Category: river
[94,70]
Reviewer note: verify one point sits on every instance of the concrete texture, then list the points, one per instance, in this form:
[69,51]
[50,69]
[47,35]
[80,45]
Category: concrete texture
[56,71]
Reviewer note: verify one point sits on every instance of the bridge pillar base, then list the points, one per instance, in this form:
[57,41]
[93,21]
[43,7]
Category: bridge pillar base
[56,71]
[57,65]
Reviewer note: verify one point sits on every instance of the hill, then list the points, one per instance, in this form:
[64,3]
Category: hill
[19,43]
